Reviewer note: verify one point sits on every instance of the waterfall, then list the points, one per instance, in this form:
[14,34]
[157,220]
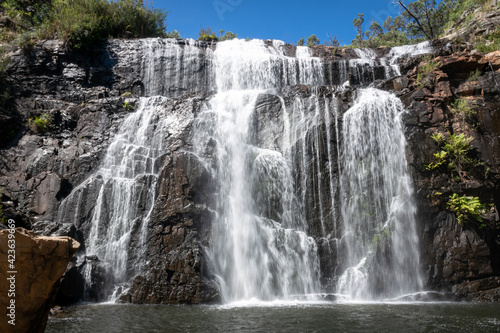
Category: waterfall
[364,68]
[260,248]
[129,173]
[121,193]
[113,206]
[170,67]
[381,251]
[309,198]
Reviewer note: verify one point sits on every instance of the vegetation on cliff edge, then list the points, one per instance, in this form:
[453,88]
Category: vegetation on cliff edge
[417,21]
[78,22]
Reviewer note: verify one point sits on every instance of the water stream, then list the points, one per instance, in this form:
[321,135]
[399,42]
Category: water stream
[310,199]
[378,212]
[260,248]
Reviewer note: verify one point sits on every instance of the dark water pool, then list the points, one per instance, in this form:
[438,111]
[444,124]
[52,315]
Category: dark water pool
[291,317]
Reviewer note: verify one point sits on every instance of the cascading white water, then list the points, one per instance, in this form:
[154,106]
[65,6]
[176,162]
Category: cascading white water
[122,191]
[120,196]
[379,232]
[253,255]
[128,174]
[171,69]
[368,59]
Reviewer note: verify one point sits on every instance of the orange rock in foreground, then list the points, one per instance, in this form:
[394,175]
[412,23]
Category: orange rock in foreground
[39,264]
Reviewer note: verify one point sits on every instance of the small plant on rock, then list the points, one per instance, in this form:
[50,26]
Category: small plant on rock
[424,71]
[2,218]
[474,75]
[464,111]
[454,154]
[467,208]
[463,107]
[41,124]
[489,43]
[127,106]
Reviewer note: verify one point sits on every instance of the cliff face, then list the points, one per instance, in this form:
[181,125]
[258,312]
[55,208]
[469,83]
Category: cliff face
[52,179]
[462,258]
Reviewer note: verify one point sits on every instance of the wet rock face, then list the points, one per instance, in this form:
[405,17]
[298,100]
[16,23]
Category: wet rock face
[40,262]
[459,258]
[179,228]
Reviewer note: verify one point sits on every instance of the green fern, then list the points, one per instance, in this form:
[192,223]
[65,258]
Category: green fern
[467,208]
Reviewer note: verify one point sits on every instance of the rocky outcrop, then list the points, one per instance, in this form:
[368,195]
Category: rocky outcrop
[475,22]
[176,271]
[32,282]
[460,258]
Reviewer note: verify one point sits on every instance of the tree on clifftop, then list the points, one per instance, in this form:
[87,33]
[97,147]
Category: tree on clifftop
[358,24]
[312,40]
[427,18]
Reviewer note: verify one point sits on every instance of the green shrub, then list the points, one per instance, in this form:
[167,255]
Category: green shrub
[454,154]
[208,38]
[3,220]
[84,22]
[424,71]
[26,42]
[207,35]
[301,42]
[460,7]
[79,22]
[467,208]
[312,40]
[489,43]
[486,48]
[227,36]
[41,124]
[17,18]
[173,34]
[463,108]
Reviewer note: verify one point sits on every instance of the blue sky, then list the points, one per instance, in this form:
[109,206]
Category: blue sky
[274,19]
